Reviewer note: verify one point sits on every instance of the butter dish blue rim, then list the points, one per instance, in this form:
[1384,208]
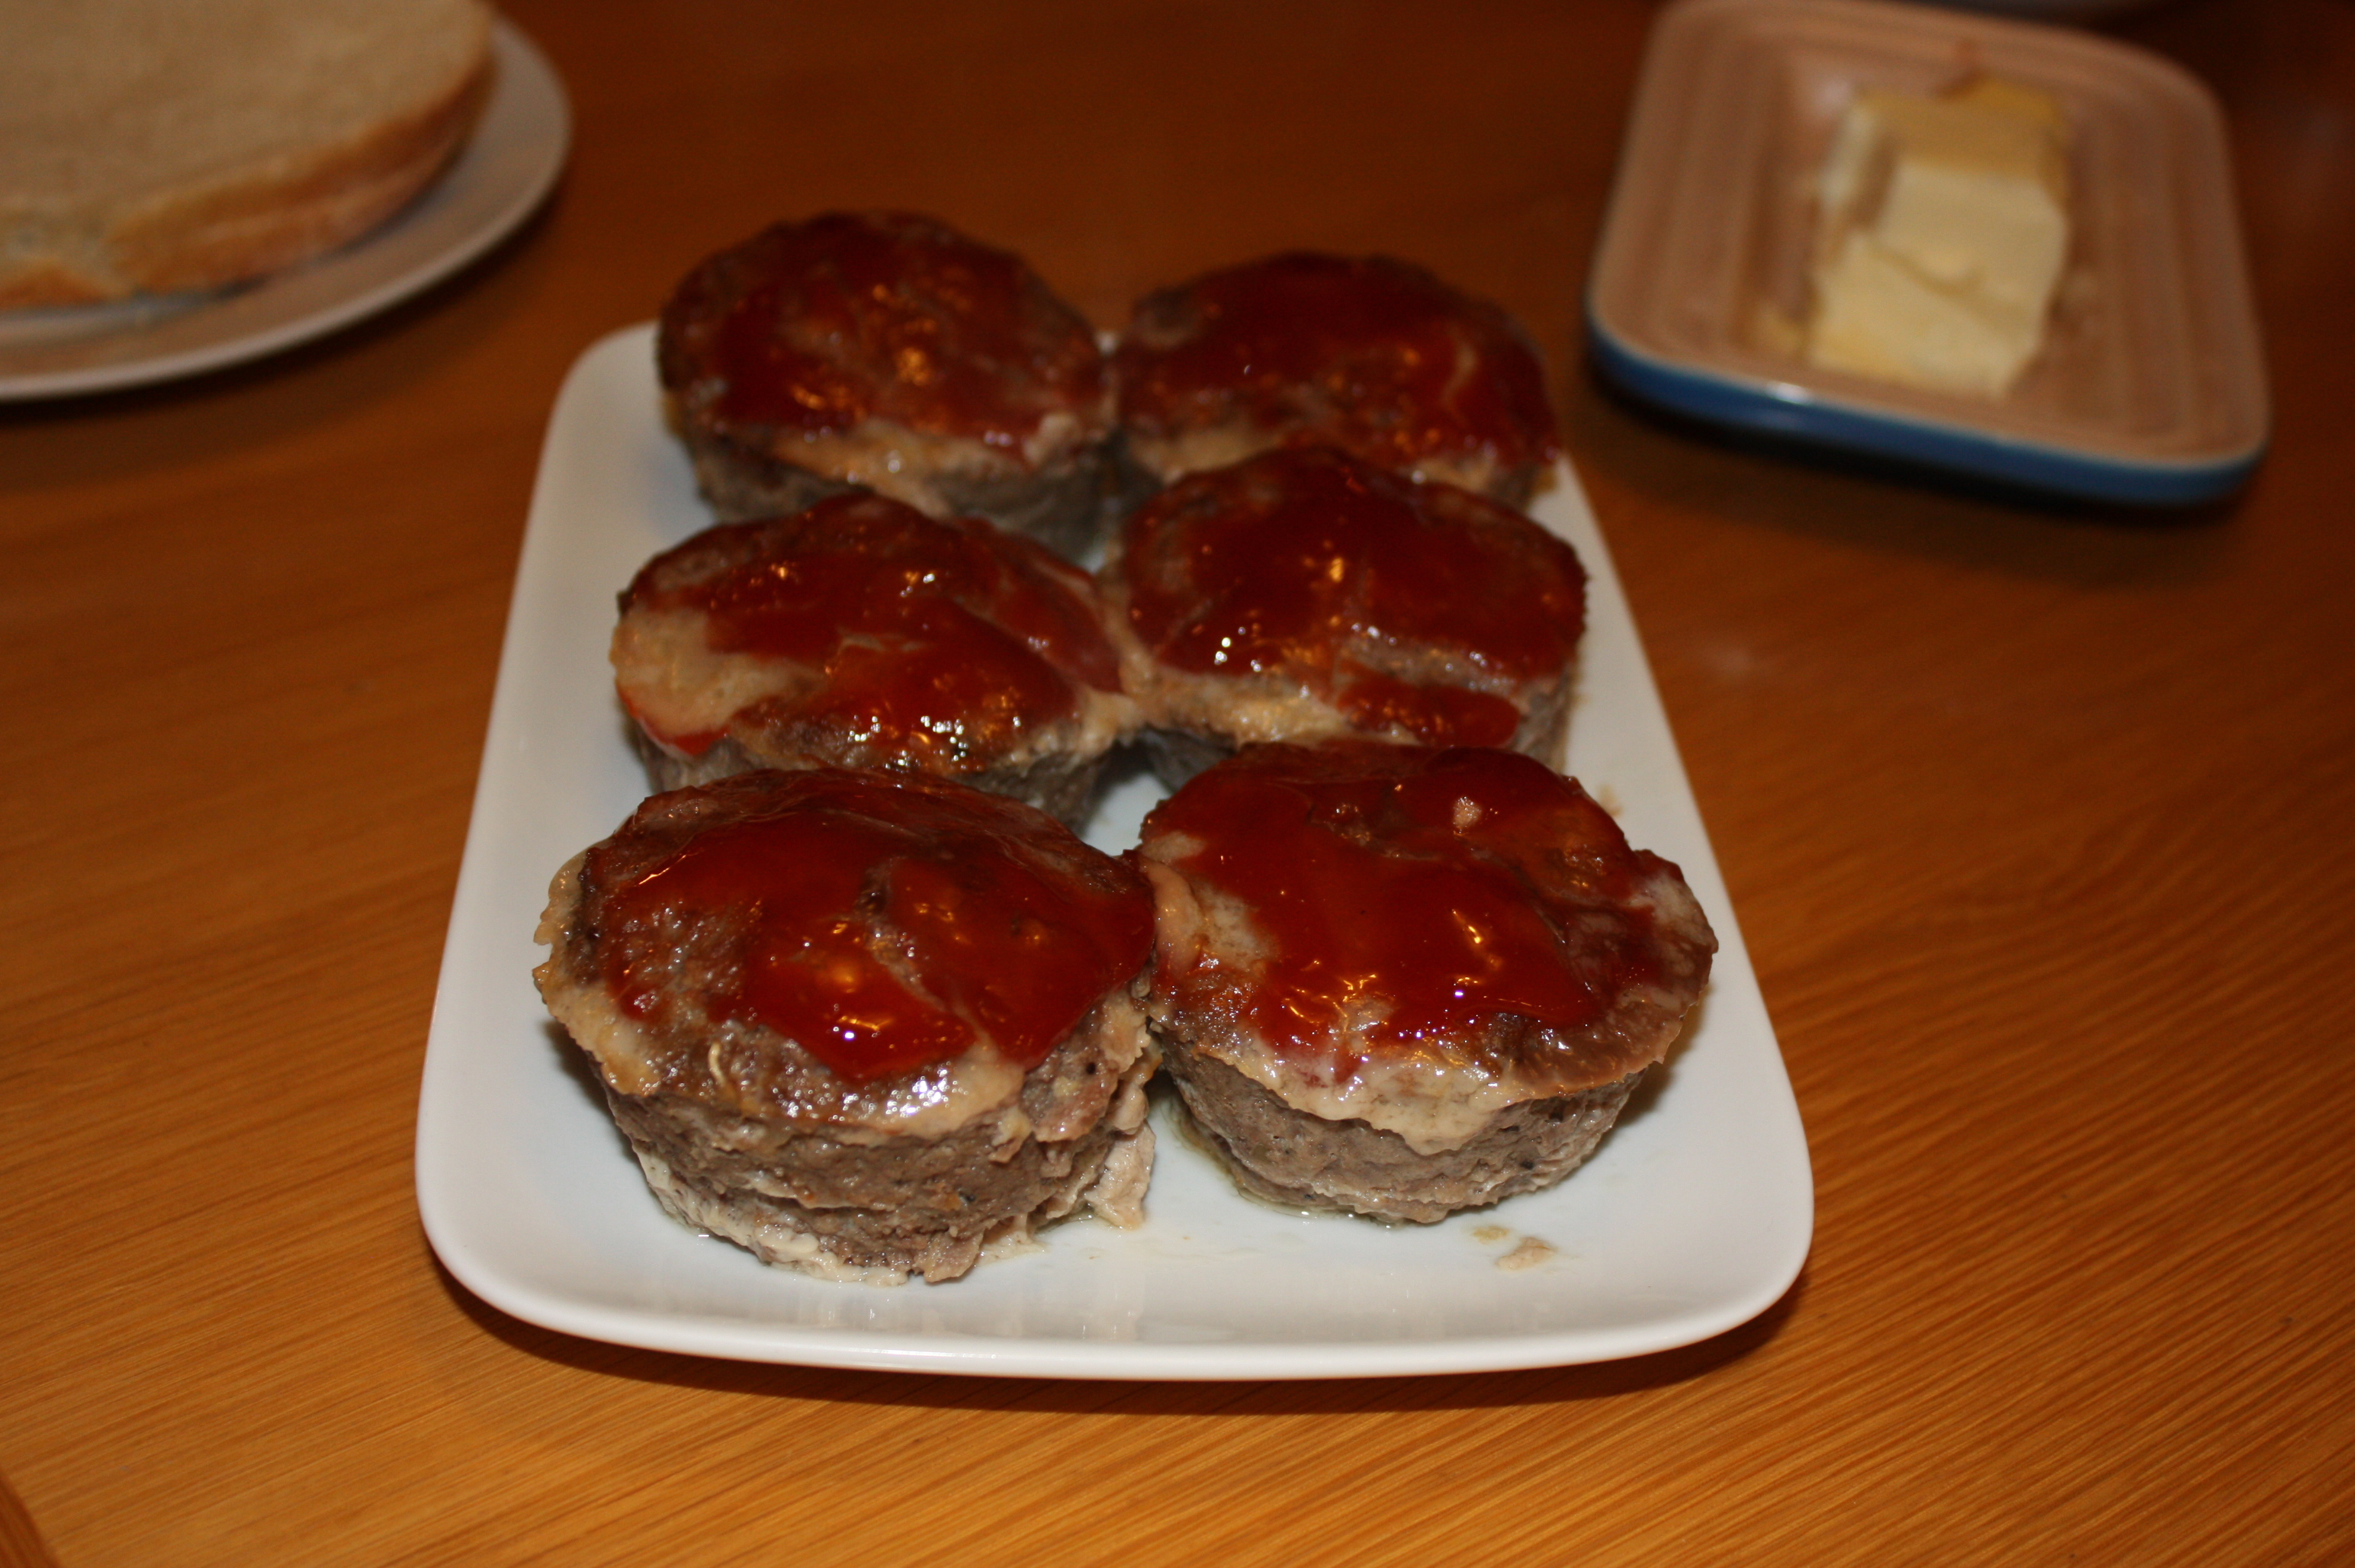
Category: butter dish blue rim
[1801,413]
[2154,393]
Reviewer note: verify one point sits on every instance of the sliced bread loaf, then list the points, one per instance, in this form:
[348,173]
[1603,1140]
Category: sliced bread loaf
[158,145]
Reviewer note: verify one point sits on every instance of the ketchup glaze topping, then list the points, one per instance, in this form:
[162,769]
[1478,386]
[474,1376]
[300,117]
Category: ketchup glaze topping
[882,921]
[937,642]
[1449,886]
[1369,352]
[1306,562]
[814,327]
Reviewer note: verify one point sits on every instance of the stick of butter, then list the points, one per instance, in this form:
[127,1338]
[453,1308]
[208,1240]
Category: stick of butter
[1944,228]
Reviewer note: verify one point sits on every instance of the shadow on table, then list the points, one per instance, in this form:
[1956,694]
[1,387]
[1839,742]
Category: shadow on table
[1623,447]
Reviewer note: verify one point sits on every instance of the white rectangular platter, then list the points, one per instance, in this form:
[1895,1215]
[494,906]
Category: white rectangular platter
[1694,1216]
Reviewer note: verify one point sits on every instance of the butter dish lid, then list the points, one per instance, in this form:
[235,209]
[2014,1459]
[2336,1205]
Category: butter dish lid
[2150,386]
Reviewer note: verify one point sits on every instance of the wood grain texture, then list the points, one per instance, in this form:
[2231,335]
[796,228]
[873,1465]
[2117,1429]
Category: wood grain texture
[2035,819]
[21,1546]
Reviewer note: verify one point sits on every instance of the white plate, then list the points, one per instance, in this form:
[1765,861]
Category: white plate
[1693,1217]
[505,168]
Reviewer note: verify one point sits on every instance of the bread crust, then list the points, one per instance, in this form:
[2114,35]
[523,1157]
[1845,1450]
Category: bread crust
[262,209]
[305,207]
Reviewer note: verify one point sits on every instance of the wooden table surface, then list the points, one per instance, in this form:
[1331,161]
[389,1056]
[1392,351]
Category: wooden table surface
[2037,821]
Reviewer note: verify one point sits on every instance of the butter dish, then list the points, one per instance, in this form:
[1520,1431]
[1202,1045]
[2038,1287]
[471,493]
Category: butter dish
[2149,384]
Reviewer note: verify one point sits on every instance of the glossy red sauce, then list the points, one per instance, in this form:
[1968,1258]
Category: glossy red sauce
[1368,352]
[1434,715]
[1283,562]
[1011,926]
[1452,885]
[934,638]
[816,326]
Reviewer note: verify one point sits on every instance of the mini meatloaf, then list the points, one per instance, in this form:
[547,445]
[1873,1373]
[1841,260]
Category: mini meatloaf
[1302,594]
[1402,981]
[888,350]
[1371,354]
[863,633]
[866,1025]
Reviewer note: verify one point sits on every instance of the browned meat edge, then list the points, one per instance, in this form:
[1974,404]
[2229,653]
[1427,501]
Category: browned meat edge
[1293,1157]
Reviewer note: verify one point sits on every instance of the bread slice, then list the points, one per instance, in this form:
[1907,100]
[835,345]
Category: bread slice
[156,145]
